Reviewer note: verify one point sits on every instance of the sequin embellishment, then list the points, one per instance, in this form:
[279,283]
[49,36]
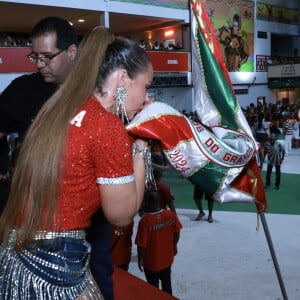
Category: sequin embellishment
[118,180]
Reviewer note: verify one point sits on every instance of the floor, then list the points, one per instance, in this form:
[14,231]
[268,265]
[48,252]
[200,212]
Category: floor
[230,260]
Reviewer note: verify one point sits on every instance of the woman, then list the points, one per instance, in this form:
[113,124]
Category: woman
[76,157]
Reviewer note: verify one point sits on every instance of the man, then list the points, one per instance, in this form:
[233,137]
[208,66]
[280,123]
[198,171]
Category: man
[157,238]
[54,50]
[198,195]
[22,99]
[275,153]
[287,133]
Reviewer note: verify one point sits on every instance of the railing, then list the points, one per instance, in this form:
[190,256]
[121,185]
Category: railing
[170,61]
[14,60]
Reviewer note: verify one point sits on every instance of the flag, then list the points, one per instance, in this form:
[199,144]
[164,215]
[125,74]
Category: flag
[217,154]
[215,102]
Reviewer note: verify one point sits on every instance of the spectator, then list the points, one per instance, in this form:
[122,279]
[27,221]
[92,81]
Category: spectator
[156,46]
[121,245]
[275,153]
[260,129]
[171,47]
[287,133]
[156,239]
[198,195]
[278,135]
[9,42]
[296,133]
[143,44]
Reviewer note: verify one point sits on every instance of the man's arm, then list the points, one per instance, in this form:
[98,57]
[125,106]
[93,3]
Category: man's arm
[141,253]
[264,152]
[176,239]
[7,102]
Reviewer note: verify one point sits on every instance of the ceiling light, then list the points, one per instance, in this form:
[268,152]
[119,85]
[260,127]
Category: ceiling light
[81,20]
[169,33]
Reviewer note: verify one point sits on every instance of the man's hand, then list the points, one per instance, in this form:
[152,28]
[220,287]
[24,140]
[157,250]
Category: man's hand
[141,253]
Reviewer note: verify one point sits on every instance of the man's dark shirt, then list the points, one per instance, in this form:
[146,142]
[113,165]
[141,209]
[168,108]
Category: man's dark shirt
[21,101]
[19,104]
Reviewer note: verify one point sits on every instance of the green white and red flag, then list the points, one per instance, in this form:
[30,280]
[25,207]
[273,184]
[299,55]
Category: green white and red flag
[215,101]
[219,153]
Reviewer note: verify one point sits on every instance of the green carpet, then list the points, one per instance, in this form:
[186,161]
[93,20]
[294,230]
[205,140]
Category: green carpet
[283,201]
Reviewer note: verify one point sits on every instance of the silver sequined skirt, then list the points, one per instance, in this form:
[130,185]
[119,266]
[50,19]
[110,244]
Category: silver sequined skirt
[54,267]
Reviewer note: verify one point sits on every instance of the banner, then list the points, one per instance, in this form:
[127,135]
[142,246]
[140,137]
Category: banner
[233,23]
[14,60]
[273,13]
[167,61]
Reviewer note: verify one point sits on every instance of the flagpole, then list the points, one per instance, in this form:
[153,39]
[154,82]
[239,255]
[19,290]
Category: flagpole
[273,254]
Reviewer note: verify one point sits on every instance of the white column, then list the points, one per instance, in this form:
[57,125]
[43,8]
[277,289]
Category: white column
[104,19]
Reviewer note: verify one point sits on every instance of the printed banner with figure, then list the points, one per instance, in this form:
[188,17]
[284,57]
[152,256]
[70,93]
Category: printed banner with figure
[233,22]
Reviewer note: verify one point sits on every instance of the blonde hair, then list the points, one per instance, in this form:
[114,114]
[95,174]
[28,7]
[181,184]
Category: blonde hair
[33,194]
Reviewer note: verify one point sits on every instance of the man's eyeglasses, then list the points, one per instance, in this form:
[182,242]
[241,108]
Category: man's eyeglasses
[46,58]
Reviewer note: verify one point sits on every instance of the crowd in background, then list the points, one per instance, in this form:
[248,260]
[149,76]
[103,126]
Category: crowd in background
[159,46]
[8,40]
[23,40]
[278,60]
[273,117]
[270,116]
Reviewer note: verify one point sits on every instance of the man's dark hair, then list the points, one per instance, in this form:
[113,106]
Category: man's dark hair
[65,33]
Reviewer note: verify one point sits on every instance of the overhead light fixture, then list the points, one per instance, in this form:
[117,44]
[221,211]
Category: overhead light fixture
[169,33]
[81,20]
[71,23]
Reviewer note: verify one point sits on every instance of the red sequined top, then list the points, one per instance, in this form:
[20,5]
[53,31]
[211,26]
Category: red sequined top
[98,151]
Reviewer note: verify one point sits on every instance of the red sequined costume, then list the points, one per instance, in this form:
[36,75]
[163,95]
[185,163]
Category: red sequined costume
[98,151]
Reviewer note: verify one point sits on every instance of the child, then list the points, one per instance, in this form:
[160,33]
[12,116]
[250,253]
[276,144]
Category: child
[156,239]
